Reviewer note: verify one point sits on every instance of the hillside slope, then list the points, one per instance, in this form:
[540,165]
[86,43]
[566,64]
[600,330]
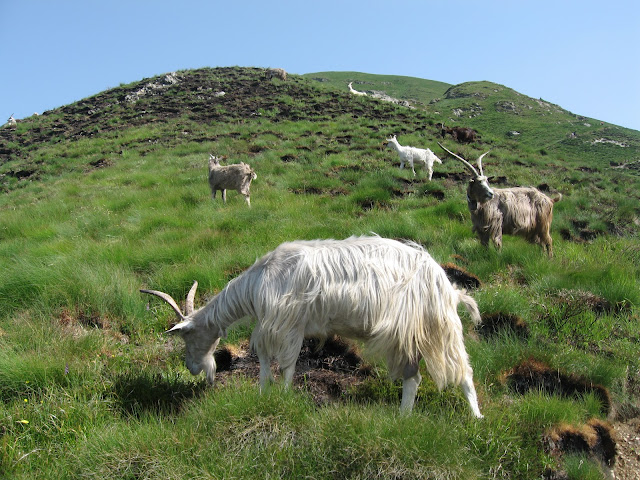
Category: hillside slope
[109,195]
[504,116]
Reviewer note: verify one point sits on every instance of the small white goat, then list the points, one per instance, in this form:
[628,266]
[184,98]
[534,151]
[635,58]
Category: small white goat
[11,122]
[390,295]
[412,155]
[522,211]
[356,92]
[277,73]
[234,177]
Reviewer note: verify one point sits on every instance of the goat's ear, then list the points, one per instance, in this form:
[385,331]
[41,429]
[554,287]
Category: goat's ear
[490,178]
[182,327]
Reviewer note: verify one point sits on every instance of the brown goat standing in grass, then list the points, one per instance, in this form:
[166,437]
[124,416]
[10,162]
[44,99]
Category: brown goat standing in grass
[522,211]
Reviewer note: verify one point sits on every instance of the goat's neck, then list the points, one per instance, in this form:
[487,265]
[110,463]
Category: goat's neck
[232,304]
[394,143]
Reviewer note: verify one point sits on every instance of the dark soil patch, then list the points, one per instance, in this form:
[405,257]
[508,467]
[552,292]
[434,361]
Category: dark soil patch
[494,323]
[596,438]
[534,375]
[460,276]
[101,163]
[327,371]
[457,177]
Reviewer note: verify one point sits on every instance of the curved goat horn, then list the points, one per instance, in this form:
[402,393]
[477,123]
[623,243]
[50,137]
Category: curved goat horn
[167,298]
[190,297]
[466,164]
[480,160]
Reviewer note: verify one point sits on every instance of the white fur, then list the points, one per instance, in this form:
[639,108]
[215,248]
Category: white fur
[390,295]
[356,92]
[412,155]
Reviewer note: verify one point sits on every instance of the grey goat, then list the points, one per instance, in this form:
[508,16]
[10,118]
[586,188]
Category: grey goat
[233,177]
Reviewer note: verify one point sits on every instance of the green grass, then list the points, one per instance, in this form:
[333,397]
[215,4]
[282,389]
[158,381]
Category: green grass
[91,388]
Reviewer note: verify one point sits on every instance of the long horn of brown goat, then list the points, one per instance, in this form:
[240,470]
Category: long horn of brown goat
[467,164]
[480,161]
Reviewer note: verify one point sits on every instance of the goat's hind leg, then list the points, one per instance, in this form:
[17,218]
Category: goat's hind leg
[470,393]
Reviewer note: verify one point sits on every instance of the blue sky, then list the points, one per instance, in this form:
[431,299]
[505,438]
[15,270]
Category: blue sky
[581,55]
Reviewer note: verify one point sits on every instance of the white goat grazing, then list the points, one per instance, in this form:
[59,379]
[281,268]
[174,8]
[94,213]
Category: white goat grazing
[276,72]
[356,92]
[235,177]
[523,211]
[390,295]
[412,155]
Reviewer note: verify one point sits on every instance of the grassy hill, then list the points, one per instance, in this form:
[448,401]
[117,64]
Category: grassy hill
[109,195]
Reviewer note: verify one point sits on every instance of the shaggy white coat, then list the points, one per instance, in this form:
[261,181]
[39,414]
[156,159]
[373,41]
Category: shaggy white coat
[412,155]
[392,296]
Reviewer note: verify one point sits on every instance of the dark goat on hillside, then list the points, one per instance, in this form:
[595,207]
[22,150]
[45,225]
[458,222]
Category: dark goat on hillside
[523,211]
[459,134]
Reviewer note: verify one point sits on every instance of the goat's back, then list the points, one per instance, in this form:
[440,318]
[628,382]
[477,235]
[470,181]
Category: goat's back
[522,209]
[391,295]
[230,175]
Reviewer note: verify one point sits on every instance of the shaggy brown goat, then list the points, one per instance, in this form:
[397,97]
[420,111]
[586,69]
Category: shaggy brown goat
[523,211]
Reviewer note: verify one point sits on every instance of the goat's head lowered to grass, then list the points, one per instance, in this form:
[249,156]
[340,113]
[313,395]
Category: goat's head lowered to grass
[200,343]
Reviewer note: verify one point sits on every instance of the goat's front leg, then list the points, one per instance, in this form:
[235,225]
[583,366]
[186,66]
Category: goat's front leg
[497,240]
[411,379]
[266,377]
[289,359]
[224,196]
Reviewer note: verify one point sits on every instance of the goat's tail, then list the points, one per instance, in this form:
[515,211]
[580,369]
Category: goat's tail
[471,306]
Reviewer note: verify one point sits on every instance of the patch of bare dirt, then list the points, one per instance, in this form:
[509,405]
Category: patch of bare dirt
[494,323]
[461,276]
[327,371]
